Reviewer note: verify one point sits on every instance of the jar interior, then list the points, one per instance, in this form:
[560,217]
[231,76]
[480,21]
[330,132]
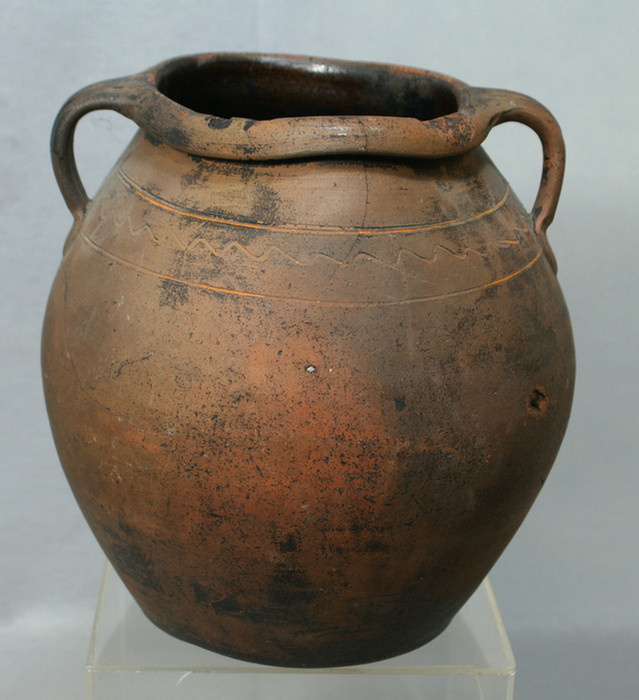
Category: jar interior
[256,89]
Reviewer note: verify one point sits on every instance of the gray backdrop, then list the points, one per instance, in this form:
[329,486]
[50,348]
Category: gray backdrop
[567,585]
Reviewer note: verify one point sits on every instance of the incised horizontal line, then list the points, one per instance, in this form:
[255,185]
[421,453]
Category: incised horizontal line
[322,230]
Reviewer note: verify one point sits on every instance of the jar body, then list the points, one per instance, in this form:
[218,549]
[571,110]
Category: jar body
[304,405]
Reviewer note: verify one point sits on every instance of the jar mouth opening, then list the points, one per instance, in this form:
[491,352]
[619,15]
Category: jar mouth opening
[258,88]
[270,107]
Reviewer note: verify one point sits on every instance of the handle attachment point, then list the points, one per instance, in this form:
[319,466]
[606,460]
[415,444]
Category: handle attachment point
[495,107]
[122,95]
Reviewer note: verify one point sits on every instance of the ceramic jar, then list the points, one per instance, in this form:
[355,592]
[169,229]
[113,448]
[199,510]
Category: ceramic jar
[306,359]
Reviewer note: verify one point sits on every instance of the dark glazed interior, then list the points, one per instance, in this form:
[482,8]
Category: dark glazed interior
[253,88]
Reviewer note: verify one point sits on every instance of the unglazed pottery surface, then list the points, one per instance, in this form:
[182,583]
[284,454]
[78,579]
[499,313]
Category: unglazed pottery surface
[306,360]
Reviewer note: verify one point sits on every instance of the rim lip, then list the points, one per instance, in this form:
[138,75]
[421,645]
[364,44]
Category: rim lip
[240,138]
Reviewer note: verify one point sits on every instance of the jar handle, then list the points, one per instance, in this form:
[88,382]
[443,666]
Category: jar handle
[499,106]
[121,95]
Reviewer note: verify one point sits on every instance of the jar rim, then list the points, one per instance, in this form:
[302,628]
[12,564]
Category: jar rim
[274,106]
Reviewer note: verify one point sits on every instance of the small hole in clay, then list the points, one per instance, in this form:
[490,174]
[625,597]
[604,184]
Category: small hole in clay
[537,401]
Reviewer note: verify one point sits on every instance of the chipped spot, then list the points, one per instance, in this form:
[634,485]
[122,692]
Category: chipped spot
[537,401]
[218,123]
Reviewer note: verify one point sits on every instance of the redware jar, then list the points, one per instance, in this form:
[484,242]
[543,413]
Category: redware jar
[306,360]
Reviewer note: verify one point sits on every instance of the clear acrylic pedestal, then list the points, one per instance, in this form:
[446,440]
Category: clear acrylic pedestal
[130,659]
